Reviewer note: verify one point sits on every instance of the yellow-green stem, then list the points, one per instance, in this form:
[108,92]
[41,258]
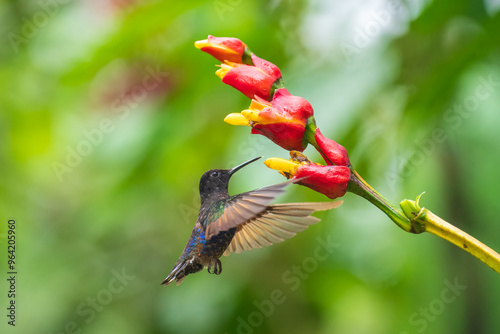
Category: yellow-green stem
[412,218]
[441,228]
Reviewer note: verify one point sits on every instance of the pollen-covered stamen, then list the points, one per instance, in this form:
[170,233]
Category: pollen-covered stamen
[288,168]
[300,158]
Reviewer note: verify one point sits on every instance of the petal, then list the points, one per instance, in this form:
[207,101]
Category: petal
[292,107]
[282,165]
[201,43]
[236,119]
[259,104]
[268,67]
[331,181]
[251,115]
[223,70]
[331,151]
[223,48]
[249,80]
[287,135]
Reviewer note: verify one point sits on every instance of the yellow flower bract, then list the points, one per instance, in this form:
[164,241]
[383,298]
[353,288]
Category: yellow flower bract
[236,119]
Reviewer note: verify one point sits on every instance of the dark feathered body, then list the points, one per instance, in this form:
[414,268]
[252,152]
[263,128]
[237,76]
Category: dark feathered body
[200,253]
[237,223]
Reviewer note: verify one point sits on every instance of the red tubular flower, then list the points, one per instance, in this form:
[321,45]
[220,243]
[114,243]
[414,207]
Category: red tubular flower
[225,49]
[331,181]
[331,151]
[260,80]
[283,121]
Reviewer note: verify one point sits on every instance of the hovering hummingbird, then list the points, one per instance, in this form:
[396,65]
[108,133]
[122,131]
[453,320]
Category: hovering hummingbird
[238,223]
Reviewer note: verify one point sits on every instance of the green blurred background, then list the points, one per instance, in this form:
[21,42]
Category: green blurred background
[109,116]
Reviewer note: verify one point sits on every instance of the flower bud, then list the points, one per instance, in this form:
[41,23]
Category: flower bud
[260,80]
[225,49]
[331,151]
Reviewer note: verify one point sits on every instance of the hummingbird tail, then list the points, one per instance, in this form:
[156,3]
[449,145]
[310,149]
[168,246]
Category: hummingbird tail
[176,274]
[181,270]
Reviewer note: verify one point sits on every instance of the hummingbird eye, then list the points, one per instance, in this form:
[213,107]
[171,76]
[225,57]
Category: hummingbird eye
[214,174]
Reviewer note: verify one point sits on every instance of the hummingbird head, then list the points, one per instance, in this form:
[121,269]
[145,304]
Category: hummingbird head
[216,181]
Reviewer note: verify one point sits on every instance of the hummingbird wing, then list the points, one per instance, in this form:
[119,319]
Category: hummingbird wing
[243,207]
[275,224]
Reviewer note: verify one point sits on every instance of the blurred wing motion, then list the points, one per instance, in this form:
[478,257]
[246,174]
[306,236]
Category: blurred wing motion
[243,207]
[276,223]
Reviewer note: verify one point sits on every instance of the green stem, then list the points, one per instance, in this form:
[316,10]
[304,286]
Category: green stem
[412,218]
[359,187]
[441,228]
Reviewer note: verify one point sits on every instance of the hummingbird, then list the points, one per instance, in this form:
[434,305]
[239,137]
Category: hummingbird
[232,224]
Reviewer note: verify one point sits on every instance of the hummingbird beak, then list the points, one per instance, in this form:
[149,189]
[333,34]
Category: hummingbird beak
[235,169]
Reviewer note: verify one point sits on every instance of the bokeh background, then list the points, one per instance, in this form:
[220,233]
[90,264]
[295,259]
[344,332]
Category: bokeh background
[109,116]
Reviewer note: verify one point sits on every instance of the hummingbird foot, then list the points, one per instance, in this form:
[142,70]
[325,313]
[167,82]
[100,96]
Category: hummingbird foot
[217,267]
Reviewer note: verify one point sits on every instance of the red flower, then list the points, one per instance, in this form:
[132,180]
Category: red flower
[331,151]
[225,49]
[331,181]
[283,121]
[254,81]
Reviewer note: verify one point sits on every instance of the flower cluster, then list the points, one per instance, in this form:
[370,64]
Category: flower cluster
[286,119]
[241,69]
